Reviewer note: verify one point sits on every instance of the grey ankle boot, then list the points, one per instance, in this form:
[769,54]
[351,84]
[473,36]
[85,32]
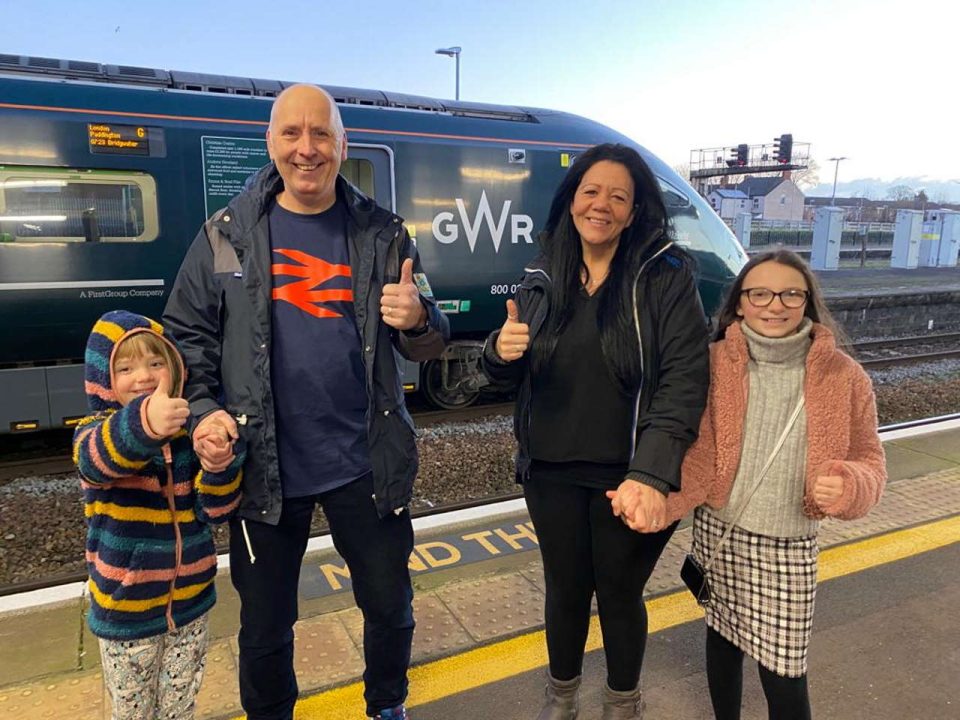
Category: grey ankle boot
[626,705]
[562,699]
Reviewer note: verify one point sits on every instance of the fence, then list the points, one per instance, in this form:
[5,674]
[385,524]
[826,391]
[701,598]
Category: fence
[800,234]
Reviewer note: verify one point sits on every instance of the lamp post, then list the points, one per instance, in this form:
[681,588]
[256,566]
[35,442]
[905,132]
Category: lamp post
[836,169]
[453,52]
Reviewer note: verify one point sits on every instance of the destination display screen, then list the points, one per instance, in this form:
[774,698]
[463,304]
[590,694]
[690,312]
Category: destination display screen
[114,139]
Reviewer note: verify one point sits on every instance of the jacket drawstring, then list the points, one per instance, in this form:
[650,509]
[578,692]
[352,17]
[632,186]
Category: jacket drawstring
[168,490]
[246,538]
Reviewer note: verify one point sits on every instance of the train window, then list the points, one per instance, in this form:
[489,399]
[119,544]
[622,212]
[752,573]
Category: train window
[360,174]
[673,198]
[53,205]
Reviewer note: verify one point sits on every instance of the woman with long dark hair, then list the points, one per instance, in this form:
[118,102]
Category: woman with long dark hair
[605,344]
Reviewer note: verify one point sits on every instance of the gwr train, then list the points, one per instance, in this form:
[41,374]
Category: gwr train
[107,172]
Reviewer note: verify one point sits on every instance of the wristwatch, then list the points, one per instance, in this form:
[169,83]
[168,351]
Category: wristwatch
[418,331]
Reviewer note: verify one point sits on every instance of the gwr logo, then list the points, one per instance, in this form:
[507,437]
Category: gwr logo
[446,231]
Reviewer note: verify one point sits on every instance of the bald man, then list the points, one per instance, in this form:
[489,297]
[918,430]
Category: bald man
[291,307]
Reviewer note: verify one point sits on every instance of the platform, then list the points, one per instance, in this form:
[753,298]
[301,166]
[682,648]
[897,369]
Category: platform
[861,282]
[479,606]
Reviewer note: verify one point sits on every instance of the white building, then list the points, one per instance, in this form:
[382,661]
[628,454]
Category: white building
[773,198]
[727,203]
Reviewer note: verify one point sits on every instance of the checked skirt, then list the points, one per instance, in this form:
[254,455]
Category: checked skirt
[762,592]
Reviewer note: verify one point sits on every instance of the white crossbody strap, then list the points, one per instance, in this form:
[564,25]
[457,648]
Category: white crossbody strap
[753,490]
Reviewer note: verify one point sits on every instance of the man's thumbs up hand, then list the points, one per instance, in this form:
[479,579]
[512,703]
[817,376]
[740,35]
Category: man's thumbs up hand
[406,272]
[400,303]
[514,337]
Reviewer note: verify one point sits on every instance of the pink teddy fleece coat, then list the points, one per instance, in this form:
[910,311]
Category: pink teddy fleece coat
[841,430]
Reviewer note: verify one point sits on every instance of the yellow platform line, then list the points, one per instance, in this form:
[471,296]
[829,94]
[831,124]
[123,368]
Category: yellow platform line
[491,663]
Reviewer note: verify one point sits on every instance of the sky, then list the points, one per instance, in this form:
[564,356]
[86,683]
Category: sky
[871,80]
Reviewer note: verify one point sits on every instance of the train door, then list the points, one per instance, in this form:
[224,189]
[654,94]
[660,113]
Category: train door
[370,168]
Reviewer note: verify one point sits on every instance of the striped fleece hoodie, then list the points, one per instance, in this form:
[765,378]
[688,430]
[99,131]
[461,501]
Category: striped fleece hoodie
[149,550]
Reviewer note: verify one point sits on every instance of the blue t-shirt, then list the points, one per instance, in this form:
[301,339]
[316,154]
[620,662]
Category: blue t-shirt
[319,385]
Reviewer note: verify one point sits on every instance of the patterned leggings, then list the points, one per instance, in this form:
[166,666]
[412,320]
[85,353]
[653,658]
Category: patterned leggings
[156,678]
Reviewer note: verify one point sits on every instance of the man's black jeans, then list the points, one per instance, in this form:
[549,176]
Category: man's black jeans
[376,551]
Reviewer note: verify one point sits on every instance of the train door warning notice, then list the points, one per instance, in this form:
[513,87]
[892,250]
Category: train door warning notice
[227,163]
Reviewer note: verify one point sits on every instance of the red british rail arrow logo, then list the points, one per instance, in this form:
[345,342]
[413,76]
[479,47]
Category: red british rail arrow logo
[315,272]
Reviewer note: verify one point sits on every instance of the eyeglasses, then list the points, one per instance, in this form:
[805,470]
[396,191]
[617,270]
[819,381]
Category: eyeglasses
[762,297]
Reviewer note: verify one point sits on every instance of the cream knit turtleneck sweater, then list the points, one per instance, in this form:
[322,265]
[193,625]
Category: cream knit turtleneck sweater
[776,373]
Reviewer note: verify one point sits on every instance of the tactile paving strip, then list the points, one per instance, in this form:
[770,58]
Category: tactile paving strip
[78,697]
[438,633]
[325,654]
[220,692]
[904,503]
[496,606]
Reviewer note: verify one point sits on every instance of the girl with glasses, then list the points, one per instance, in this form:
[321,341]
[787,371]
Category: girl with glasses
[776,343]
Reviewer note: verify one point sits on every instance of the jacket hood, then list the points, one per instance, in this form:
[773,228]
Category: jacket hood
[112,328]
[536,273]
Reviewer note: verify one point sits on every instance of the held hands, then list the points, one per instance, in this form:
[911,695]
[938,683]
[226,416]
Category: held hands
[827,489]
[641,507]
[514,337]
[213,441]
[400,303]
[165,414]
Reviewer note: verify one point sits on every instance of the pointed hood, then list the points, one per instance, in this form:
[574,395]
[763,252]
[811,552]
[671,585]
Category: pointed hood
[112,328]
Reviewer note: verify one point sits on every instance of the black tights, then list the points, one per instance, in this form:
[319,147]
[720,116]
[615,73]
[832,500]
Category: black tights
[787,697]
[586,549]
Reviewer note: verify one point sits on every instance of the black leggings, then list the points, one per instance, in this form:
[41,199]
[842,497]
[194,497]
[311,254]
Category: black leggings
[586,549]
[787,697]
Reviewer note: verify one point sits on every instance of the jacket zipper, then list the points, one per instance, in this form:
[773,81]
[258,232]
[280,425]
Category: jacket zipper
[526,473]
[392,252]
[636,324]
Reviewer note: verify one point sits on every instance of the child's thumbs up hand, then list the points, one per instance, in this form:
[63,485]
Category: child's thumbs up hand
[400,303]
[166,414]
[514,337]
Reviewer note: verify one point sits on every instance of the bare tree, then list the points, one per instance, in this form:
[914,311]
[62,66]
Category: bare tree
[683,170]
[807,177]
[900,192]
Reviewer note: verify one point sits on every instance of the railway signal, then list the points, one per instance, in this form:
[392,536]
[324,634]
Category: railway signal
[739,156]
[783,149]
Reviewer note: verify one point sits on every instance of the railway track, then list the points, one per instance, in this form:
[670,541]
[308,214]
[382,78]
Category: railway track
[871,354]
[901,360]
[59,463]
[906,341]
[54,465]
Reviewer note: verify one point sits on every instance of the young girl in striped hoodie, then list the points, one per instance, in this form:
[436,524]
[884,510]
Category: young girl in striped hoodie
[148,506]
